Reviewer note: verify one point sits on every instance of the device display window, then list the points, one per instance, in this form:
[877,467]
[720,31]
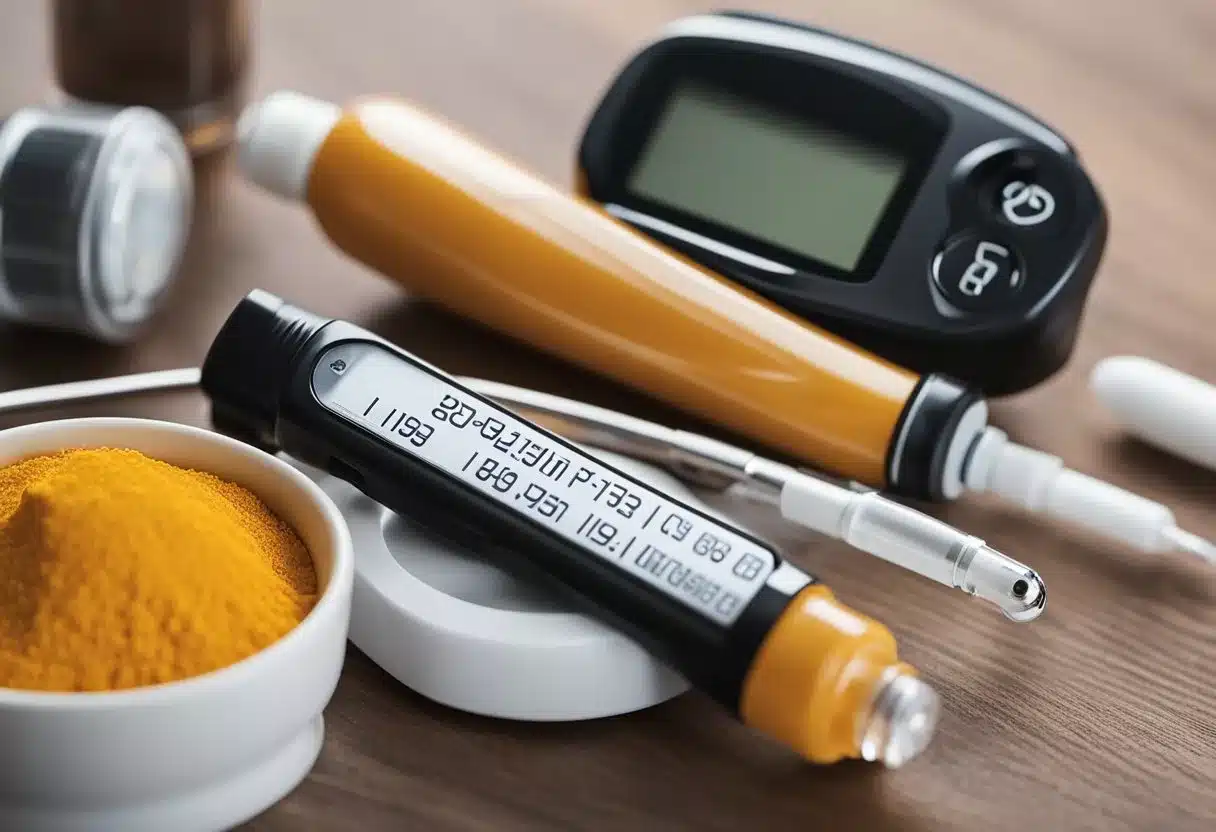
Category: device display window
[793,183]
[753,153]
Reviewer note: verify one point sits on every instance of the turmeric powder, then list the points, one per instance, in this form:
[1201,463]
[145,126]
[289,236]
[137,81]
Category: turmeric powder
[120,571]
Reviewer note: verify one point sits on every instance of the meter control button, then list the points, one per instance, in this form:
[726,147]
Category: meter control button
[1025,203]
[978,273]
[1024,191]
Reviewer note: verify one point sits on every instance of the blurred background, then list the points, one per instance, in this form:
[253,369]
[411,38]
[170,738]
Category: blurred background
[1131,84]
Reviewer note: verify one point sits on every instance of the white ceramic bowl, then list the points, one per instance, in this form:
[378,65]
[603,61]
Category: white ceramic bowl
[203,754]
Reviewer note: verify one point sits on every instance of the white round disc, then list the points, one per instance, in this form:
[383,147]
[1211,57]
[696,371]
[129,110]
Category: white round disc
[463,632]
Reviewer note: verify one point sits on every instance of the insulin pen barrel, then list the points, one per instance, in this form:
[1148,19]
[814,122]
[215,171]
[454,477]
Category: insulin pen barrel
[758,635]
[421,203]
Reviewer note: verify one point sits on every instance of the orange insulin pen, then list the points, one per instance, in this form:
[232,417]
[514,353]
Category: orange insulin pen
[719,605]
[417,200]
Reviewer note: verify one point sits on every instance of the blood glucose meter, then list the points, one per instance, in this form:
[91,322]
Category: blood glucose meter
[900,207]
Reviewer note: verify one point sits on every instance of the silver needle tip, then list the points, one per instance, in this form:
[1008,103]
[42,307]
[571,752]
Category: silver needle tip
[1027,598]
[1015,588]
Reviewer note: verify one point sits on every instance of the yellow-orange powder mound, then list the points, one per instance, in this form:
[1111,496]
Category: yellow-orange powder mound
[119,571]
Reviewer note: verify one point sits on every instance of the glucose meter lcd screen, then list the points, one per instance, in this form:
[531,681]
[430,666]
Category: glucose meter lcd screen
[780,180]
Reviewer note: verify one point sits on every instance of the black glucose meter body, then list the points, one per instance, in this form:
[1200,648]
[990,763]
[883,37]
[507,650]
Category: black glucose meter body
[918,216]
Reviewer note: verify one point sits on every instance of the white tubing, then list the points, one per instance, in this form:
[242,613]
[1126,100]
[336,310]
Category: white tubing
[1040,482]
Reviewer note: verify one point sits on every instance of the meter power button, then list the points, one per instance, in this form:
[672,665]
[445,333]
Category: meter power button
[1026,192]
[1026,203]
[978,273]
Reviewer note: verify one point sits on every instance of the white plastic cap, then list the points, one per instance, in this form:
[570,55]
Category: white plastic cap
[278,138]
[1160,405]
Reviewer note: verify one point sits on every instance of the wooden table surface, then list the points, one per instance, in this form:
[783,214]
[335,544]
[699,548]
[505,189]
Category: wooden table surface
[1100,715]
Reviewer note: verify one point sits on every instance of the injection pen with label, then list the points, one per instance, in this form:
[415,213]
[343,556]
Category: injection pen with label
[722,607]
[860,517]
[422,203]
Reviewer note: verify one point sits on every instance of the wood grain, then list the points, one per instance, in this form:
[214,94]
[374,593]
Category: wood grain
[1099,716]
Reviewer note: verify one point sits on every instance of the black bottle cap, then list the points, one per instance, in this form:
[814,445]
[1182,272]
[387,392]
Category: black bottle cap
[249,362]
[95,208]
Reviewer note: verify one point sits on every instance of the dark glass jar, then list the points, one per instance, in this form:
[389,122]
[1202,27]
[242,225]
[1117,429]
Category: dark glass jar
[186,58]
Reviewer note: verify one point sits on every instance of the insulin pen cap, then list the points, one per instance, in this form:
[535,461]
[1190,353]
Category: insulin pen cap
[450,625]
[248,361]
[95,206]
